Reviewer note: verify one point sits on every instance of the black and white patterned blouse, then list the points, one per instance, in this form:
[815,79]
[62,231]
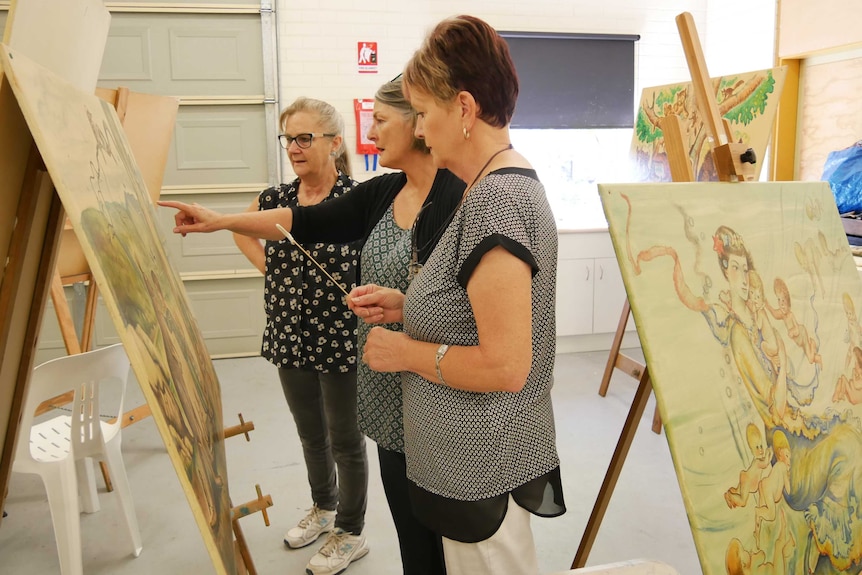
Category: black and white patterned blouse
[308,323]
[385,261]
[464,445]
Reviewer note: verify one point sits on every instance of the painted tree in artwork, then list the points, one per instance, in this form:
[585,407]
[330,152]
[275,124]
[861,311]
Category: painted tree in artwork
[740,102]
[741,99]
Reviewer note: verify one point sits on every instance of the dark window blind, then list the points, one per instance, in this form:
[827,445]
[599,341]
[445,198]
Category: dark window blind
[573,80]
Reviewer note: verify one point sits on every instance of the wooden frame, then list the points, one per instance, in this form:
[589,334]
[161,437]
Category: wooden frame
[106,200]
[72,42]
[806,30]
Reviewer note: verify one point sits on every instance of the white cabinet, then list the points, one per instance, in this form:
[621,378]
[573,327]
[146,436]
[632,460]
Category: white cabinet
[575,296]
[609,296]
[590,290]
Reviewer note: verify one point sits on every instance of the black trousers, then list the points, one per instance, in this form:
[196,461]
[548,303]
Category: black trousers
[421,548]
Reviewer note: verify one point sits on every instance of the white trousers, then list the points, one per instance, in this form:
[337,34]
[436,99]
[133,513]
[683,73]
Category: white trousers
[509,551]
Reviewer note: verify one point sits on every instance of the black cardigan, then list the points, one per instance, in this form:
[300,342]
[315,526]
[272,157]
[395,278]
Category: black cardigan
[352,216]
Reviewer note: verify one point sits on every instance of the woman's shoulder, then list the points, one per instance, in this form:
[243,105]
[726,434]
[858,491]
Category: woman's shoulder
[448,183]
[344,184]
[390,181]
[447,189]
[281,195]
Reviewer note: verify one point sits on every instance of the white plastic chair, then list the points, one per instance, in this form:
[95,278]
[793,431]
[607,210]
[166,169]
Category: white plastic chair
[56,445]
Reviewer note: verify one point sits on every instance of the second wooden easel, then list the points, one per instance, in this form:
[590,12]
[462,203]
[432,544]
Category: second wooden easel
[734,162]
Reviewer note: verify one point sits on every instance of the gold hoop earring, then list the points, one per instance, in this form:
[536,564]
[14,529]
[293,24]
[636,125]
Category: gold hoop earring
[466,133]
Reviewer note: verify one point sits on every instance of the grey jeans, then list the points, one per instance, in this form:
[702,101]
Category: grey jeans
[324,410]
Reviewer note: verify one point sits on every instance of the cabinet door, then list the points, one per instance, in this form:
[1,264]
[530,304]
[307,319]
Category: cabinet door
[609,297]
[575,296]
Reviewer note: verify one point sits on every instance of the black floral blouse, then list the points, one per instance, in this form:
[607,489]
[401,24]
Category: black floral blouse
[308,324]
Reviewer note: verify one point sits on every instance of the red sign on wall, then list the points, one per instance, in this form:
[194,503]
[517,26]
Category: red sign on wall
[366,57]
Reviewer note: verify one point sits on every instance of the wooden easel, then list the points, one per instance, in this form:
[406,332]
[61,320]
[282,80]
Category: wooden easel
[31,215]
[734,163]
[244,561]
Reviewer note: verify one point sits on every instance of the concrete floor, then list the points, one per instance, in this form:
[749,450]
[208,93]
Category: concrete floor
[645,518]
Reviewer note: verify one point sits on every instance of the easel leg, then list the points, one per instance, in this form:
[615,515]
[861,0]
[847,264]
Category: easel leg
[242,546]
[615,349]
[613,473]
[89,315]
[64,315]
[617,360]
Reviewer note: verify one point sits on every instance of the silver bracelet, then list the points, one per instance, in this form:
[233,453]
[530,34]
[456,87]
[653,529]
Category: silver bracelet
[441,351]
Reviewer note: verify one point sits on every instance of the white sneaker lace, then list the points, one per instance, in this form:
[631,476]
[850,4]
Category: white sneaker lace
[312,516]
[333,543]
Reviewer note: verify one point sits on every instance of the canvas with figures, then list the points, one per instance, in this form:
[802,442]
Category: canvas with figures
[747,302]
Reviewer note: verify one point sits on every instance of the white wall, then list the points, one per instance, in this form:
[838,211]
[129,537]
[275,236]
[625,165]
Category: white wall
[318,38]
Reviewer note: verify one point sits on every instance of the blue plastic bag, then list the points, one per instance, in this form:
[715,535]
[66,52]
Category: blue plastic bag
[843,171]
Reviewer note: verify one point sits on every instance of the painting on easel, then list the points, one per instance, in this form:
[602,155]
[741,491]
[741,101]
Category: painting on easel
[747,302]
[85,150]
[747,101]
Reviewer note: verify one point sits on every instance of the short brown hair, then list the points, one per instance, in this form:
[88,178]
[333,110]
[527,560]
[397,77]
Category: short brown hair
[466,53]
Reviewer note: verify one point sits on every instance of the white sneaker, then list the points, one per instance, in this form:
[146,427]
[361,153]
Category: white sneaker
[339,551]
[310,527]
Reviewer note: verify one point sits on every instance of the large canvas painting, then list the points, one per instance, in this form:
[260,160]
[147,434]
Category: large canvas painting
[747,101]
[85,150]
[748,302]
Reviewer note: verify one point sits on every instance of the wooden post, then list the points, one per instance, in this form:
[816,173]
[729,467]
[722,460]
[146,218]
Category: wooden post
[613,473]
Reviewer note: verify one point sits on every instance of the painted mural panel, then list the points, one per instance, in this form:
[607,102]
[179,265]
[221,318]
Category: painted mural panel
[85,150]
[747,303]
[747,101]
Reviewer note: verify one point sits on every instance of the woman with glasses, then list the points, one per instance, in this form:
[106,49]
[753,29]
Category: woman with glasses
[397,218]
[477,349]
[310,336]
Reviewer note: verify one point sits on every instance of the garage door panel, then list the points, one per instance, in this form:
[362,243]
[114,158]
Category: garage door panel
[196,54]
[218,144]
[208,253]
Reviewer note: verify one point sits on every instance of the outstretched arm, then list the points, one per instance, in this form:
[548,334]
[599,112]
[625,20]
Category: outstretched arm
[194,218]
[251,247]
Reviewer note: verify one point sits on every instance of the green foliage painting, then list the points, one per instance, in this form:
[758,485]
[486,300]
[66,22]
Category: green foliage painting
[747,101]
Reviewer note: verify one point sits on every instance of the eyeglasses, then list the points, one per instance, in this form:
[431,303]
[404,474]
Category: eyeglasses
[302,140]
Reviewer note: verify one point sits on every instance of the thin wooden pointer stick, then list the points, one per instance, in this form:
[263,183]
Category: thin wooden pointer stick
[308,255]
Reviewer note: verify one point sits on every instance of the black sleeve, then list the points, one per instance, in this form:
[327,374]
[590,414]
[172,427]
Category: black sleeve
[349,217]
[486,245]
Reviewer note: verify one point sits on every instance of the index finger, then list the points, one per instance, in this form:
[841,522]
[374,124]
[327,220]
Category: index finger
[173,204]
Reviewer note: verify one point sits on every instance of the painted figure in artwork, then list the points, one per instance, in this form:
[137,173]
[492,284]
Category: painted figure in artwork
[814,501]
[741,561]
[774,484]
[850,388]
[750,477]
[795,330]
[770,343]
[849,385]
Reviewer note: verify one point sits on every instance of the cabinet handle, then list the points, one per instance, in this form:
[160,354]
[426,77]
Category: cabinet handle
[601,272]
[588,273]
